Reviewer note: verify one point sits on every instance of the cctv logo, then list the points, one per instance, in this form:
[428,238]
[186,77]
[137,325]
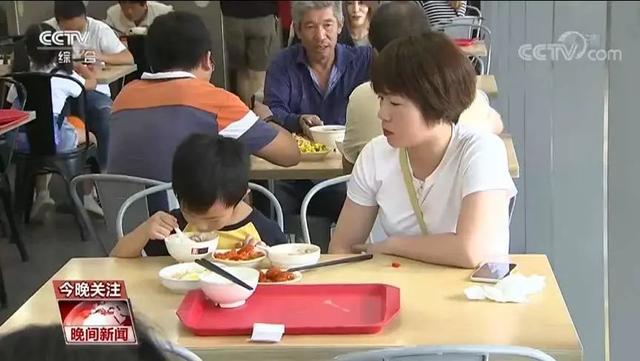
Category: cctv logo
[62,38]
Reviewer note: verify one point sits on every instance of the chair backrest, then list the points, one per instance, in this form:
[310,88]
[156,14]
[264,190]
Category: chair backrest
[7,141]
[464,31]
[139,217]
[136,45]
[307,199]
[40,132]
[450,353]
[114,190]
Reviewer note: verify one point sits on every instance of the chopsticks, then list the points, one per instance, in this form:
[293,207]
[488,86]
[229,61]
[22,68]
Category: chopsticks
[216,269]
[359,258]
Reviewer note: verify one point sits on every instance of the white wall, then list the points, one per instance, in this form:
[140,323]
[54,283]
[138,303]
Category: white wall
[624,180]
[555,111]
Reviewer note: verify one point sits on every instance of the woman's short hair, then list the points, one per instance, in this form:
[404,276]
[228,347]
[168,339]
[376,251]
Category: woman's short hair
[431,71]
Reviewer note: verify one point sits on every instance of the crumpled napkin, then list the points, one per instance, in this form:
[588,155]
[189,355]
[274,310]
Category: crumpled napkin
[513,288]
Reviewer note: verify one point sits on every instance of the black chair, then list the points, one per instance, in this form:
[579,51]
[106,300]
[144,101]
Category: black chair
[137,47]
[7,144]
[42,157]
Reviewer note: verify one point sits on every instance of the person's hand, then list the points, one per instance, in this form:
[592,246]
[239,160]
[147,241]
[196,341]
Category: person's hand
[307,121]
[374,248]
[261,110]
[160,225]
[253,242]
[85,71]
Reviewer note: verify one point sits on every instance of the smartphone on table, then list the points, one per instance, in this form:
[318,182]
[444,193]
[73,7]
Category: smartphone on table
[492,272]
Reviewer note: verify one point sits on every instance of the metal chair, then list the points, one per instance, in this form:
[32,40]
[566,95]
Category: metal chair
[483,33]
[113,190]
[168,186]
[451,353]
[42,156]
[307,199]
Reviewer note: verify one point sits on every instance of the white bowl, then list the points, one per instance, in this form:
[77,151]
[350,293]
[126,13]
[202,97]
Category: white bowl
[225,293]
[328,134]
[189,251]
[170,277]
[290,255]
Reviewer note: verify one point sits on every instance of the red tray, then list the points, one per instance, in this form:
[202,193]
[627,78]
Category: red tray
[11,115]
[464,42]
[303,309]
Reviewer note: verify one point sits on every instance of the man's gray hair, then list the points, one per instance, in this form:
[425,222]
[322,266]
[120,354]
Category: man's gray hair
[299,8]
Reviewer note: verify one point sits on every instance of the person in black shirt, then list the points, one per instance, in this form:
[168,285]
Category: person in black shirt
[210,179]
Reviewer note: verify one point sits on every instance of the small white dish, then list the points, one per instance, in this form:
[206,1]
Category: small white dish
[181,277]
[225,293]
[291,255]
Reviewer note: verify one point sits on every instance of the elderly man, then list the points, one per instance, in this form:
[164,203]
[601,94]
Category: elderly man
[309,83]
[392,21]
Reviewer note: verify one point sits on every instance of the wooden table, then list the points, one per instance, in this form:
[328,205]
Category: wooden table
[487,83]
[478,48]
[15,125]
[331,166]
[433,310]
[112,73]
[107,75]
[514,167]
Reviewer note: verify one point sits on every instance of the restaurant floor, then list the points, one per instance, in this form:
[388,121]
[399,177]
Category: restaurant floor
[50,245]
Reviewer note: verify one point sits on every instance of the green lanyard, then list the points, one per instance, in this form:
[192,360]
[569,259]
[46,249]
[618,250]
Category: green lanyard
[411,190]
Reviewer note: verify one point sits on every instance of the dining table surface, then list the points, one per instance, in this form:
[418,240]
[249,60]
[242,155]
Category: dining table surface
[433,309]
[487,83]
[107,75]
[331,166]
[476,48]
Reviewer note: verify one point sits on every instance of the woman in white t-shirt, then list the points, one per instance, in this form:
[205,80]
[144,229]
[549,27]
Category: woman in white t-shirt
[66,136]
[459,178]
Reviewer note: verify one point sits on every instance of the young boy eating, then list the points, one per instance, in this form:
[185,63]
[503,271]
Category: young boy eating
[210,176]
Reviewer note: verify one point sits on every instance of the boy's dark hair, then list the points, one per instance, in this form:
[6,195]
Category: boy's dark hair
[35,343]
[65,10]
[394,20]
[177,40]
[210,168]
[141,3]
[40,55]
[431,71]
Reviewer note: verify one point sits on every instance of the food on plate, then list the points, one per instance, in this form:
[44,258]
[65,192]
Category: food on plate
[275,274]
[246,253]
[190,275]
[395,265]
[307,146]
[299,251]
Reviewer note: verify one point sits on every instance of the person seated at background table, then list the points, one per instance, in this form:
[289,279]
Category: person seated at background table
[439,11]
[153,115]
[67,135]
[210,179]
[392,21]
[357,15]
[72,15]
[309,83]
[46,342]
[126,15]
[439,189]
